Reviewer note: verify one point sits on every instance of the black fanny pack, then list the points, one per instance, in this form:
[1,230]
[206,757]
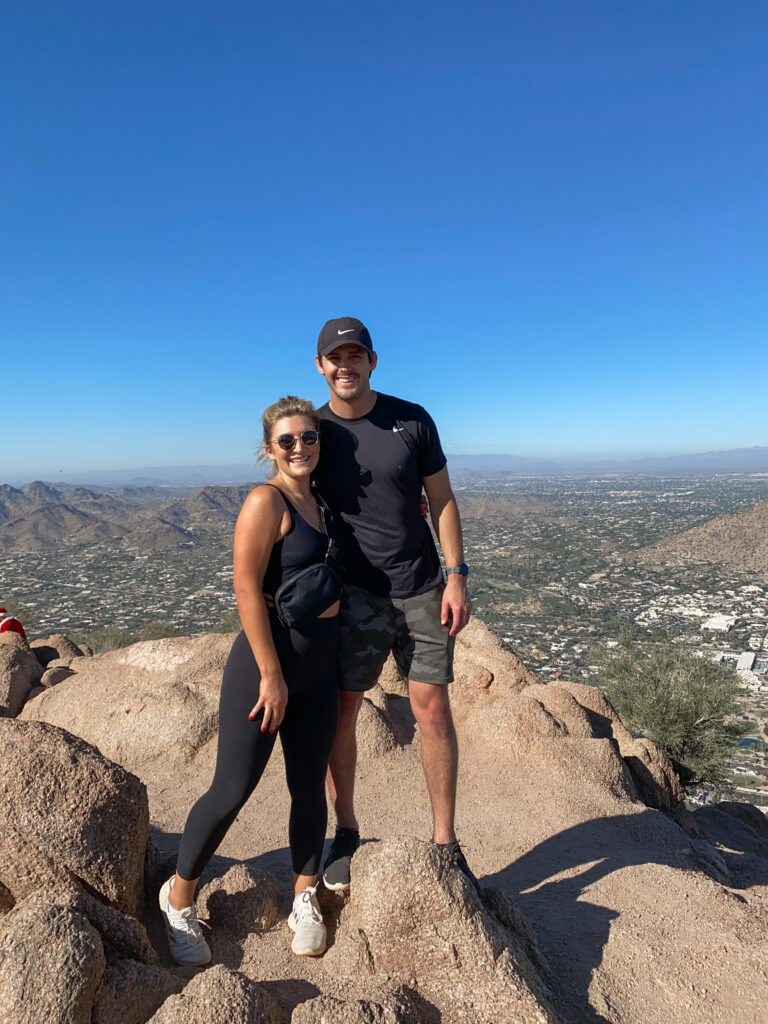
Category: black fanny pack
[311,590]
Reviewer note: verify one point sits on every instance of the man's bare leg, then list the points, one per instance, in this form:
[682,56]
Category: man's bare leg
[343,760]
[439,753]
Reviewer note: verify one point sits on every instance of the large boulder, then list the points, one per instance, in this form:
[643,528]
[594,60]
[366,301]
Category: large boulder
[69,817]
[430,930]
[51,965]
[56,673]
[130,992]
[571,729]
[220,996]
[739,833]
[122,935]
[241,903]
[484,664]
[390,1006]
[748,815]
[12,639]
[55,647]
[375,734]
[155,701]
[653,777]
[19,672]
[68,958]
[545,726]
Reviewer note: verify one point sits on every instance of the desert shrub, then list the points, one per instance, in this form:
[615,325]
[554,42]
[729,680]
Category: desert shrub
[685,704]
[158,630]
[228,623]
[109,638]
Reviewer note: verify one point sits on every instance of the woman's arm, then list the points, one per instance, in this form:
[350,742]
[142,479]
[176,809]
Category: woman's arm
[257,530]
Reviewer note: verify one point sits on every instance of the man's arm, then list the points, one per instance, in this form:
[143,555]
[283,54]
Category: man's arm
[447,523]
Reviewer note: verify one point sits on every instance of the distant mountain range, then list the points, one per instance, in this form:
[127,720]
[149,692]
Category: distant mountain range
[40,515]
[734,460]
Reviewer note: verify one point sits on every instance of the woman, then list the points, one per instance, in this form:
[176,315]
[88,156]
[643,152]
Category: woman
[276,677]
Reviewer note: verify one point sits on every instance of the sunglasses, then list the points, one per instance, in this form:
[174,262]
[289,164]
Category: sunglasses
[288,441]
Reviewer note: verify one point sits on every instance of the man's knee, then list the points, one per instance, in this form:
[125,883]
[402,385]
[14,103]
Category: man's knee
[350,702]
[431,707]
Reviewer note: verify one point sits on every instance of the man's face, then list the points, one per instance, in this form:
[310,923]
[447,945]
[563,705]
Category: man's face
[347,370]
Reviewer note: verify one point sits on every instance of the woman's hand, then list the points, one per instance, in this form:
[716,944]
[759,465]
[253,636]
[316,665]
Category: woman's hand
[273,696]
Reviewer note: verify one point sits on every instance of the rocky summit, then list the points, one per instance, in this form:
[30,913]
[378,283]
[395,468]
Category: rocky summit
[602,900]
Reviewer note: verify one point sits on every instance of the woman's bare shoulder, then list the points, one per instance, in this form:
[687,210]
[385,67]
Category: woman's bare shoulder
[263,501]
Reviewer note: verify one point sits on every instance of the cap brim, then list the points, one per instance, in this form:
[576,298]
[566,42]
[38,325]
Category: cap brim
[333,344]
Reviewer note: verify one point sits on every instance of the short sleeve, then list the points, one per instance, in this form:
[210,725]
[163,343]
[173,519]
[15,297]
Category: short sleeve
[431,455]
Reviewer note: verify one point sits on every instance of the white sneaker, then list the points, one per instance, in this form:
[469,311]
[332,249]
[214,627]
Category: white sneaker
[307,922]
[185,937]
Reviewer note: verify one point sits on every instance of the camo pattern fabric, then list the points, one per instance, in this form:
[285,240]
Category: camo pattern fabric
[372,626]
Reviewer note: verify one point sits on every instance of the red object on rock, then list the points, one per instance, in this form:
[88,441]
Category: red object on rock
[10,625]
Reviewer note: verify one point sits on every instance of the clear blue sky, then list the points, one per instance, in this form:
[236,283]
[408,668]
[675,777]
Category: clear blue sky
[552,217]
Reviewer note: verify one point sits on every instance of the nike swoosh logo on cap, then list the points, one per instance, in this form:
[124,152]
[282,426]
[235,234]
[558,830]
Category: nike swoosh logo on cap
[349,330]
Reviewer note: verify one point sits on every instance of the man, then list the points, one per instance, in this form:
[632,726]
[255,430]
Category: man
[378,453]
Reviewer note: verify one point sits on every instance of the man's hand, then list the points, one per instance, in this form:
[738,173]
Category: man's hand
[457,607]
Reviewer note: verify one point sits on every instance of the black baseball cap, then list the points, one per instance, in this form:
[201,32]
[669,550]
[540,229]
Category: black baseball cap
[344,330]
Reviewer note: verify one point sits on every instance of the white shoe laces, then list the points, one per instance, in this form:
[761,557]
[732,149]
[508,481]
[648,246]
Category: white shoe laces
[305,907]
[187,921]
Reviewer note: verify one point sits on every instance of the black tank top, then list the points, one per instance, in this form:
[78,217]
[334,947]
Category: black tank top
[303,545]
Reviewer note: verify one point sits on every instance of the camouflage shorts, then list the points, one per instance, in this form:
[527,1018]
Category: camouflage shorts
[372,626]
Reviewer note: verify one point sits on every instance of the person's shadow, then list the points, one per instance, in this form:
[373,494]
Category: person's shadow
[550,881]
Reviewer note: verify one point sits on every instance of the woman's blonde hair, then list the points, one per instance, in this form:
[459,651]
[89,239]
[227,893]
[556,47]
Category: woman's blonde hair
[290,405]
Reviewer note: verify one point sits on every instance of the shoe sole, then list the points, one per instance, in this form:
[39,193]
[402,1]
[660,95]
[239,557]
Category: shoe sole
[304,952]
[308,952]
[335,886]
[161,899]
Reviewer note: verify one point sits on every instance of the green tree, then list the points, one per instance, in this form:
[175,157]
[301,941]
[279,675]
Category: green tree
[685,704]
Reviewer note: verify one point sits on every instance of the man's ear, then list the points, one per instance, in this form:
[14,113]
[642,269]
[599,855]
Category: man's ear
[319,364]
[374,361]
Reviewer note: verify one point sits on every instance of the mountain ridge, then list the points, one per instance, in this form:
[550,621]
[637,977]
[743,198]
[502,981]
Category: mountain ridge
[738,539]
[38,516]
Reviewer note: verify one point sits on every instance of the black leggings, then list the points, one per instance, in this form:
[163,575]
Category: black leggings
[308,661]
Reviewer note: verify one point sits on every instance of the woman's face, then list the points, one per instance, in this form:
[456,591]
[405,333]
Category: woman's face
[300,460]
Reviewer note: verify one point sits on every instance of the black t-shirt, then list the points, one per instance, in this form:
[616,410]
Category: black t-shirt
[370,471]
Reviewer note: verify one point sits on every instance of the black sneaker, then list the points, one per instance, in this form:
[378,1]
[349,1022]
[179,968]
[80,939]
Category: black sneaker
[454,854]
[336,867]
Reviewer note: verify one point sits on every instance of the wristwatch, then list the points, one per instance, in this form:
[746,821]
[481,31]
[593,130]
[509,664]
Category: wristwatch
[462,570]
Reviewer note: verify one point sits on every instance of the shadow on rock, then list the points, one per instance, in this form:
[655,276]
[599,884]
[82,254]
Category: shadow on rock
[550,881]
